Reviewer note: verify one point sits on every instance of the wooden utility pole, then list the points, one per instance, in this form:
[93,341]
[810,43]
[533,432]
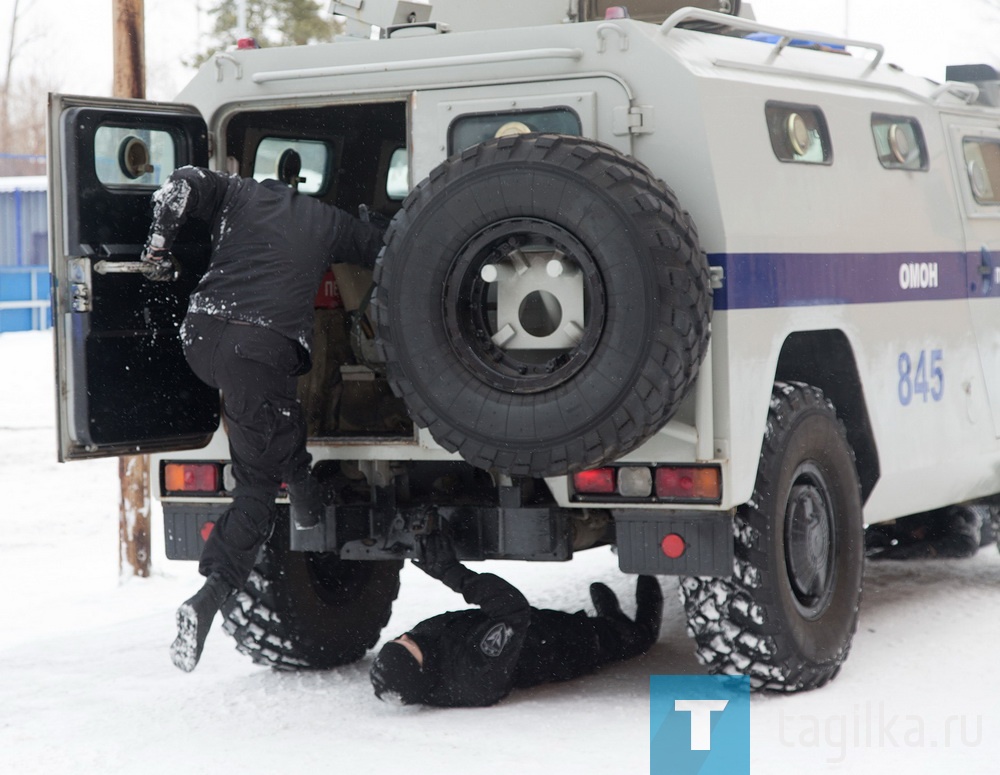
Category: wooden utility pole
[133,471]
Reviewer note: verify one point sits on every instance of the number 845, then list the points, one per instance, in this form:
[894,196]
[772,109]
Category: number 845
[927,379]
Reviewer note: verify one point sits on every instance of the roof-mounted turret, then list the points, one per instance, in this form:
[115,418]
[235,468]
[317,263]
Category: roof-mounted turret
[983,76]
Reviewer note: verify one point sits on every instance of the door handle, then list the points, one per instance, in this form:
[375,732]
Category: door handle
[146,269]
[116,267]
[986,270]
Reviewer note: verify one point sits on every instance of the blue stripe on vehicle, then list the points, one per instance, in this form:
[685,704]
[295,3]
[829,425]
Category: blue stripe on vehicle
[760,280]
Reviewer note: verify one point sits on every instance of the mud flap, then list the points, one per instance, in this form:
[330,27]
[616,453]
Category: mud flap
[187,525]
[706,542]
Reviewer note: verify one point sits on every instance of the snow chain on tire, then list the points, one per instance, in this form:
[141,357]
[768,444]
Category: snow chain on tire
[753,623]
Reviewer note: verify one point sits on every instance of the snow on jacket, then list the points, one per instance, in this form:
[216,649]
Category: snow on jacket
[270,247]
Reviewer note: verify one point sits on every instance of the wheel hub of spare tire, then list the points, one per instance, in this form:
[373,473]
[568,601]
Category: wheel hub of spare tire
[524,305]
[810,541]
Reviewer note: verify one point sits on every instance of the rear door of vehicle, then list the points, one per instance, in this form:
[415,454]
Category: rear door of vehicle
[123,385]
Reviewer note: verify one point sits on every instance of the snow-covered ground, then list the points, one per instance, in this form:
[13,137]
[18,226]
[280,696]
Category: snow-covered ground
[86,685]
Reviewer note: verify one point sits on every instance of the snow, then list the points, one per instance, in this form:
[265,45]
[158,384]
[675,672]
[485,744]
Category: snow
[172,195]
[87,685]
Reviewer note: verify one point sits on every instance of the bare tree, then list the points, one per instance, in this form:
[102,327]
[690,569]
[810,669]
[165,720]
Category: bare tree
[22,114]
[5,94]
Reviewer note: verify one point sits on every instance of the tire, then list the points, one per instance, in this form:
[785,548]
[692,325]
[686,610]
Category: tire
[788,615]
[581,382]
[304,610]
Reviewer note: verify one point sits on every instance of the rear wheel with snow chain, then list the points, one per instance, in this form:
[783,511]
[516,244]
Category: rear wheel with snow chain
[788,615]
[310,610]
[542,304]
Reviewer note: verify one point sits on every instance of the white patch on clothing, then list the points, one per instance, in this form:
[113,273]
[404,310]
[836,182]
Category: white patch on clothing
[494,641]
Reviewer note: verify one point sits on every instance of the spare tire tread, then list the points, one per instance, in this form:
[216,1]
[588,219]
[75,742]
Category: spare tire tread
[681,317]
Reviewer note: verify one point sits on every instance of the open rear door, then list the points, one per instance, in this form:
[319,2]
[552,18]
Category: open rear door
[123,385]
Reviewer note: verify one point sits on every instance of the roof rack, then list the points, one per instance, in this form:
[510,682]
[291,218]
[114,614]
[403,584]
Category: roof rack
[785,37]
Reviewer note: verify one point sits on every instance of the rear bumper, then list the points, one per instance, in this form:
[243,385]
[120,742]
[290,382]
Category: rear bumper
[364,532]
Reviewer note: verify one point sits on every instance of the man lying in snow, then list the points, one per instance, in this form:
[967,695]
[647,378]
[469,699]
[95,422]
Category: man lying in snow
[475,657]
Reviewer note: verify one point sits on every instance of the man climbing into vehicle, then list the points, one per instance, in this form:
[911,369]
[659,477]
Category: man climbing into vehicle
[476,657]
[248,332]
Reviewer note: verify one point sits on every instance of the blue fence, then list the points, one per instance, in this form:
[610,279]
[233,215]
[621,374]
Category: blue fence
[24,298]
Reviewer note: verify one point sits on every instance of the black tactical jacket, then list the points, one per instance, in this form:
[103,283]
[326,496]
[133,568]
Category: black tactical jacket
[270,247]
[473,654]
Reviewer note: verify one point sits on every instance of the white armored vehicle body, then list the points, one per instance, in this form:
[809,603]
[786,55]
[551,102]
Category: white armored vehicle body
[716,293]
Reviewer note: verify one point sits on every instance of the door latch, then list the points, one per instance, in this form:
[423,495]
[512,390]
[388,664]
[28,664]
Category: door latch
[80,296]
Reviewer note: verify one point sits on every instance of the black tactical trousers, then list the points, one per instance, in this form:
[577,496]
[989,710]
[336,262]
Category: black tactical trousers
[253,367]
[560,646]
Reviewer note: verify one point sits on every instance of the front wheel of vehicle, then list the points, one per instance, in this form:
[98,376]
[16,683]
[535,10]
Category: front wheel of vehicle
[788,614]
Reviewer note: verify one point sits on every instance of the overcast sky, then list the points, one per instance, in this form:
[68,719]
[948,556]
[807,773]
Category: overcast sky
[69,41]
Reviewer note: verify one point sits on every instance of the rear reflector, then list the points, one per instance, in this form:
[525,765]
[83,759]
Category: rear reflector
[596,481]
[673,545]
[698,483]
[191,477]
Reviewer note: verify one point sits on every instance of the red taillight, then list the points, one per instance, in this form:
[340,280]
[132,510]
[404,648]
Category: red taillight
[191,477]
[596,481]
[694,483]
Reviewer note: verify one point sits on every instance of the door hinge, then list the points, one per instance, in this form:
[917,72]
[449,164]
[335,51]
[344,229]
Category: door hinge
[635,120]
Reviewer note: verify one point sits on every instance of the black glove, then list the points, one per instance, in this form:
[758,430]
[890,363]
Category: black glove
[152,255]
[437,559]
[162,266]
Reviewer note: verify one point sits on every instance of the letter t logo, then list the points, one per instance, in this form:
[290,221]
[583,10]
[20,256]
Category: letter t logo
[701,720]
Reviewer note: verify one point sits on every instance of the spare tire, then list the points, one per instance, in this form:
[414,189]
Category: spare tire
[542,304]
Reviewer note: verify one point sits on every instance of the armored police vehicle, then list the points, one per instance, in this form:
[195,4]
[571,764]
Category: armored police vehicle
[669,279]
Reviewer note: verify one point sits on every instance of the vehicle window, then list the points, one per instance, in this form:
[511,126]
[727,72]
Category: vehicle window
[315,157]
[397,182]
[982,162]
[127,156]
[798,133]
[899,142]
[470,130]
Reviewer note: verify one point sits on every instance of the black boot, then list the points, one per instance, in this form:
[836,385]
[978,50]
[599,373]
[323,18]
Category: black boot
[307,502]
[194,620]
[606,602]
[649,606]
[621,637]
